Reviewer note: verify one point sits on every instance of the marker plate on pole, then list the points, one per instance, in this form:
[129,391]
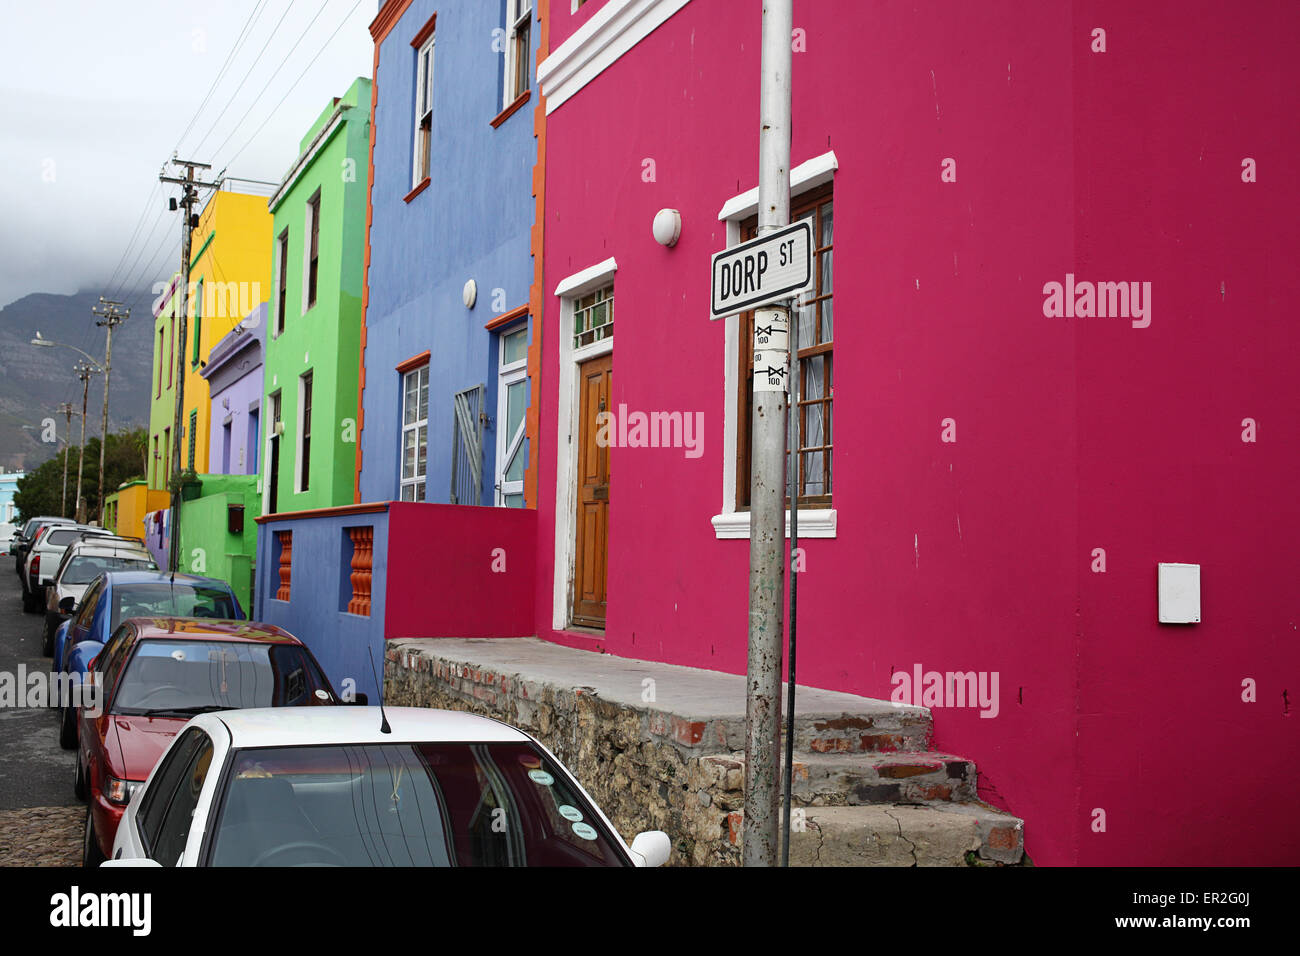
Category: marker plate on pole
[762,271]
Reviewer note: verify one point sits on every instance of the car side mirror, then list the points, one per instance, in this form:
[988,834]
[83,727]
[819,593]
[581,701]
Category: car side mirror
[139,861]
[68,605]
[359,699]
[651,848]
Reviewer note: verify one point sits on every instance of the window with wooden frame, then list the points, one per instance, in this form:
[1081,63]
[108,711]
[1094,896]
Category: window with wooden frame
[282,293]
[313,249]
[162,335]
[304,432]
[519,49]
[815,315]
[420,168]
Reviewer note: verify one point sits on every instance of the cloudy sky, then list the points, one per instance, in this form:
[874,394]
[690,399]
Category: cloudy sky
[96,96]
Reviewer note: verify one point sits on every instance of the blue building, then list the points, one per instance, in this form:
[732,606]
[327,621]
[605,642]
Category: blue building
[8,486]
[445,384]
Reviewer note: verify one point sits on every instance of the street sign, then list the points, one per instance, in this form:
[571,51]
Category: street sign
[762,271]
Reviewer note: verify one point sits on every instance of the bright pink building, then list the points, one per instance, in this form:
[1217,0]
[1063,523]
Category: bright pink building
[1003,480]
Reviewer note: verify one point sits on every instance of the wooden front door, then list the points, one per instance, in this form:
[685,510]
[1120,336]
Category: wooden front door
[592,544]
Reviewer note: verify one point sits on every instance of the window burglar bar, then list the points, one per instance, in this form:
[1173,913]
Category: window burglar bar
[467,446]
[593,317]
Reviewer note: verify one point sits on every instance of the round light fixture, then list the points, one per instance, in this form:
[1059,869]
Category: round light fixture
[667,227]
[469,294]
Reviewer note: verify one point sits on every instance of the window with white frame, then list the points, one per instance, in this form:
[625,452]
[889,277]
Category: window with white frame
[512,403]
[282,280]
[415,432]
[519,49]
[311,253]
[423,113]
[304,431]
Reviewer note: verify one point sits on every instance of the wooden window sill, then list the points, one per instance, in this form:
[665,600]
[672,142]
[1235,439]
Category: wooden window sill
[417,190]
[506,113]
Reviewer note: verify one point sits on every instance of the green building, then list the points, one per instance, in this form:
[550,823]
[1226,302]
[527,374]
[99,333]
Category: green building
[314,315]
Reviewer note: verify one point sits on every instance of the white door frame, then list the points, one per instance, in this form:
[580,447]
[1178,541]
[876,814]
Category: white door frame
[566,460]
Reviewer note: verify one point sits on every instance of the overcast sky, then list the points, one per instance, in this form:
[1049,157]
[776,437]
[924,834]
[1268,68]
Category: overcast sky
[95,96]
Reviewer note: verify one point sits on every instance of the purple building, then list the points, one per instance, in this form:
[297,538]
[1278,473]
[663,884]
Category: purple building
[234,376]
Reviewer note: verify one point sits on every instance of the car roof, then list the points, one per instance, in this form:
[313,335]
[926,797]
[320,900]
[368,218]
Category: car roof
[105,548]
[345,724]
[90,533]
[116,578]
[207,629]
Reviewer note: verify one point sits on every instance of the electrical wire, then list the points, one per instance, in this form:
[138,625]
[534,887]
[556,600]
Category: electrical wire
[277,106]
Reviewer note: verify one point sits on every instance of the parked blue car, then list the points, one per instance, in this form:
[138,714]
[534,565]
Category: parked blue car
[115,596]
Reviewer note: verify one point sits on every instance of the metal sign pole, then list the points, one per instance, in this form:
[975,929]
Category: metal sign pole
[761,832]
[796,472]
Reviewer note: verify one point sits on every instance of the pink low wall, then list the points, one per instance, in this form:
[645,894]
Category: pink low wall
[1072,434]
[459,571]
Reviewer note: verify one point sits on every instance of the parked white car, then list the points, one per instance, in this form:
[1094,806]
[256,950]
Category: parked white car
[82,562]
[337,786]
[43,559]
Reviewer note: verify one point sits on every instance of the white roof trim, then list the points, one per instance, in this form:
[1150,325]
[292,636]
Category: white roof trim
[308,155]
[588,279]
[814,172]
[613,30]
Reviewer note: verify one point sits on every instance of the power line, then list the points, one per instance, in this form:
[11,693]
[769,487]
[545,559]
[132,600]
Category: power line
[144,212]
[267,84]
[256,14]
[277,106]
[252,66]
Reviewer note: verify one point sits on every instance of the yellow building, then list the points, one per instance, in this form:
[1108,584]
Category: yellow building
[124,511]
[229,276]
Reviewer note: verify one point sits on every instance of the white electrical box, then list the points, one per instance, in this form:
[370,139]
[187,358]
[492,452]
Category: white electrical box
[1180,593]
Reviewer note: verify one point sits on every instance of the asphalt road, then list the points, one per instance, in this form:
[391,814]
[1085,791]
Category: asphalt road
[34,770]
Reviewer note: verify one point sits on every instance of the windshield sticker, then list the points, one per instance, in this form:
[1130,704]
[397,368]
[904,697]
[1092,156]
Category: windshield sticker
[541,777]
[584,830]
[572,814]
[178,655]
[322,694]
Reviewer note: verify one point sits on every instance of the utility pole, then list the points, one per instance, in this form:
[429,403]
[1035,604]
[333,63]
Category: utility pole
[66,409]
[84,371]
[767,462]
[189,194]
[113,314]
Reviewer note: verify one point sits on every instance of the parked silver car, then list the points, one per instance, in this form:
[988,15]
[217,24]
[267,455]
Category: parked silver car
[82,562]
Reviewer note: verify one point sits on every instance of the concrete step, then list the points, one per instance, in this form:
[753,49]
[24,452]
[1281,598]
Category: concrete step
[952,834]
[856,779]
[867,778]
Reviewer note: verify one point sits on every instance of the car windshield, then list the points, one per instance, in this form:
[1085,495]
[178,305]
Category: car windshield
[162,599]
[84,568]
[184,676]
[423,804]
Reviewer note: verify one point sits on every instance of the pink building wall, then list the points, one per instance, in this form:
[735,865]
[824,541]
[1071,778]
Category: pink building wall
[1072,434]
[435,586]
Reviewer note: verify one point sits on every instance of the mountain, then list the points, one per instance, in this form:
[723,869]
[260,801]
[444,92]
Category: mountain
[34,381]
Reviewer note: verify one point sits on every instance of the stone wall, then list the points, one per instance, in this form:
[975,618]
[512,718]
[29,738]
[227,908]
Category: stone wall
[647,770]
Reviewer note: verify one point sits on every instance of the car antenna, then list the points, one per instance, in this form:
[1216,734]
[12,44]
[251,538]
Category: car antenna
[383,719]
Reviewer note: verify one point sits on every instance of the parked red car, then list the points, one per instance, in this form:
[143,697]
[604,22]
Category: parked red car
[152,676]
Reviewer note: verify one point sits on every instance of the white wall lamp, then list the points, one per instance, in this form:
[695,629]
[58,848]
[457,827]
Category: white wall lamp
[667,227]
[469,294]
